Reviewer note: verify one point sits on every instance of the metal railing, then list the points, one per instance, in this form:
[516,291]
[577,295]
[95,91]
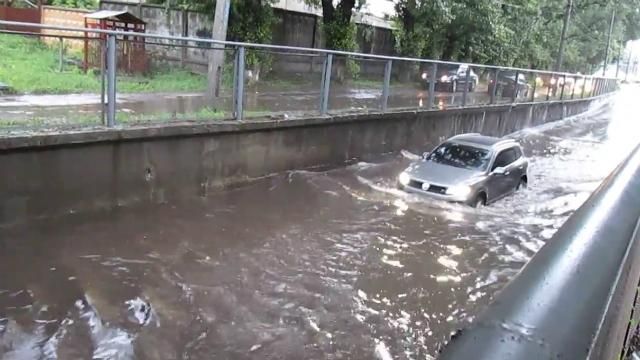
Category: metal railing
[504,84]
[576,298]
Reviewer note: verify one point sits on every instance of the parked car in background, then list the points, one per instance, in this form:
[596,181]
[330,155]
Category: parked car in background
[506,85]
[469,168]
[555,84]
[452,80]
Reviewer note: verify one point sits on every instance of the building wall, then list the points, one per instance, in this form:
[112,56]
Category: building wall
[301,29]
[20,15]
[63,17]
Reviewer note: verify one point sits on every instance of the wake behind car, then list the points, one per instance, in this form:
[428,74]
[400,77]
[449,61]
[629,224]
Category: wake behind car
[468,168]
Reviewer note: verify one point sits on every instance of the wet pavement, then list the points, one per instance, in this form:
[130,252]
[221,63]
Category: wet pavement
[85,108]
[303,265]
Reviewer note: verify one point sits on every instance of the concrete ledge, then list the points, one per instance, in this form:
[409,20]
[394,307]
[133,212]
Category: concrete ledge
[57,174]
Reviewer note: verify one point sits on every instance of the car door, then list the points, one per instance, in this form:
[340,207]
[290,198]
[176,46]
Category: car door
[513,169]
[499,184]
[518,167]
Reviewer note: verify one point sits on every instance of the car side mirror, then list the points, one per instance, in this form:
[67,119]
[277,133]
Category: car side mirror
[499,171]
[425,155]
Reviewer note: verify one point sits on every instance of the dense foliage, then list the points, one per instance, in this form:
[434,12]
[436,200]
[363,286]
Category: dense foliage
[522,33]
[78,4]
[249,21]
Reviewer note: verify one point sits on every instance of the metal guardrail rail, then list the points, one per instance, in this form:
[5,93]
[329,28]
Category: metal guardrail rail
[575,299]
[598,85]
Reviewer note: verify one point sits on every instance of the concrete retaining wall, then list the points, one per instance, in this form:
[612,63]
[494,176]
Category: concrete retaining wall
[53,175]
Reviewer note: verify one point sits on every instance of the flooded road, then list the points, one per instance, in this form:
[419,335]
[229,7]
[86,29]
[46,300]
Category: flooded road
[304,265]
[25,110]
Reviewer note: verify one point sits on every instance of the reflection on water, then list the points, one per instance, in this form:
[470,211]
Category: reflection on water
[313,265]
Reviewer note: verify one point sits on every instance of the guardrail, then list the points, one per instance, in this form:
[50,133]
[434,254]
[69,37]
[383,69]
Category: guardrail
[576,298]
[447,84]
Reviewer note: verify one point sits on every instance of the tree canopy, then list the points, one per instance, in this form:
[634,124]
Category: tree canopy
[523,33]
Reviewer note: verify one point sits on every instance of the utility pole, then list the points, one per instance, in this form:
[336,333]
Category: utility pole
[618,61]
[626,74]
[606,52]
[216,55]
[565,25]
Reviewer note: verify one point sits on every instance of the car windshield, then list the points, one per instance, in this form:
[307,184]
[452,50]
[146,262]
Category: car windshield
[462,156]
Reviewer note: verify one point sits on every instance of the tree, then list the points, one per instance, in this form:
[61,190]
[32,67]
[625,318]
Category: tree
[522,33]
[339,31]
[249,21]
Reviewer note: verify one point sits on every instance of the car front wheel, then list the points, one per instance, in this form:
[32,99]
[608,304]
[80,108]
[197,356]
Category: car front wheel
[479,201]
[522,184]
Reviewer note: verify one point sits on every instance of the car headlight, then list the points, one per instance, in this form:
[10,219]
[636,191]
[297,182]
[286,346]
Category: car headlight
[459,191]
[444,78]
[404,178]
[424,76]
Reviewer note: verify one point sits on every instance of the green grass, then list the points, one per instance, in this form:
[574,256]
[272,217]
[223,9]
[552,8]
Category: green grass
[30,66]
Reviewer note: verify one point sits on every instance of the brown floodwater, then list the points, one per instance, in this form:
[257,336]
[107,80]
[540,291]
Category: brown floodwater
[331,264]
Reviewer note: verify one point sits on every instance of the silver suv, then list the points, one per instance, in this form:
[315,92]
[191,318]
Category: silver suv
[468,168]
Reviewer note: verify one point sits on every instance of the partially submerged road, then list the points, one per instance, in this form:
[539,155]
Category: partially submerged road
[304,265]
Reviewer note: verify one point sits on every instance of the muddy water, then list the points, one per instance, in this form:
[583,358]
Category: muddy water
[303,265]
[39,110]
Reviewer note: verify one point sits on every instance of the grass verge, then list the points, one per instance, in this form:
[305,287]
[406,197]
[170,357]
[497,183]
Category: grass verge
[30,66]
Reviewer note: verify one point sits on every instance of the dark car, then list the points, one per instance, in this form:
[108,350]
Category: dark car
[506,85]
[468,168]
[452,80]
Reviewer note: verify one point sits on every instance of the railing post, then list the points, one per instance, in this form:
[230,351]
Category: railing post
[564,83]
[385,85]
[602,84]
[103,65]
[111,80]
[598,85]
[535,85]
[467,78]
[549,87]
[573,88]
[61,55]
[432,86]
[238,84]
[584,84]
[492,96]
[326,84]
[516,89]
